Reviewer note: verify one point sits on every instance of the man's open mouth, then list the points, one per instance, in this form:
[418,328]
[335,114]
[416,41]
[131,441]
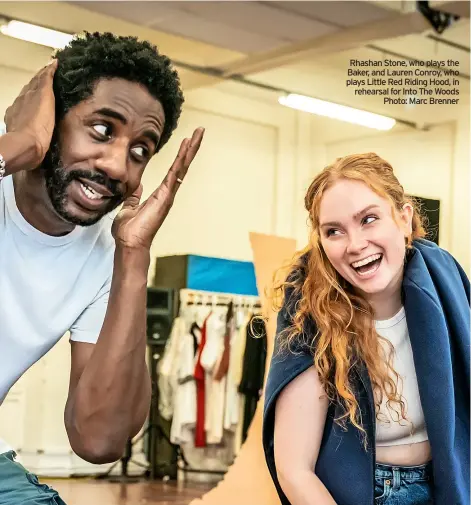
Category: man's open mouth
[94,191]
[367,265]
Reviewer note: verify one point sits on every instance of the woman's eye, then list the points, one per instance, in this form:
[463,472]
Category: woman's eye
[369,219]
[103,129]
[332,232]
[140,151]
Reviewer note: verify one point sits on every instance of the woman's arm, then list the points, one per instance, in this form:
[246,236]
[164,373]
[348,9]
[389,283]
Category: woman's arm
[300,415]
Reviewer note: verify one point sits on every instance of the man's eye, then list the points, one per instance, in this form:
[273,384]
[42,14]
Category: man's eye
[103,129]
[140,151]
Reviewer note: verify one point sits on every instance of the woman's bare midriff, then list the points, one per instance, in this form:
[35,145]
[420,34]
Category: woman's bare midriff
[404,455]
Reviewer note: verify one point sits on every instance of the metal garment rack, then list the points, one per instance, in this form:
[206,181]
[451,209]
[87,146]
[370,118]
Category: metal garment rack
[188,297]
[195,297]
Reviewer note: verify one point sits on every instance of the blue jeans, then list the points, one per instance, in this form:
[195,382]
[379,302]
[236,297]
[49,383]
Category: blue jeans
[403,485]
[20,487]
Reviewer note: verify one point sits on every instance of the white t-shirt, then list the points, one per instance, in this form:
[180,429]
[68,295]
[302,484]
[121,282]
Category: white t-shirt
[390,431]
[48,285]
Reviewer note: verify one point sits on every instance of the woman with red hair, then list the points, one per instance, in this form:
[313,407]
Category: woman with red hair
[367,400]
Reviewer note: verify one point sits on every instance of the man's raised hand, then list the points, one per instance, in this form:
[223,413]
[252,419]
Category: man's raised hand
[137,223]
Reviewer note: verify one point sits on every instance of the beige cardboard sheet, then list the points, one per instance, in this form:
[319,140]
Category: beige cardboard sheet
[247,481]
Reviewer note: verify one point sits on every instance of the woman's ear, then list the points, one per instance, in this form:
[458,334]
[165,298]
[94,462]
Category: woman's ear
[407,214]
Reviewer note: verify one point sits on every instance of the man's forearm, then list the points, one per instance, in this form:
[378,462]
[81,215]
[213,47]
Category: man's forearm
[111,400]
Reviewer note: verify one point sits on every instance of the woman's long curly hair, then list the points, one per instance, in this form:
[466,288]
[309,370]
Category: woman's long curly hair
[344,320]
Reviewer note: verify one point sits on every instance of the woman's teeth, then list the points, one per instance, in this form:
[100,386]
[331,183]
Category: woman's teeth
[368,265]
[365,261]
[92,194]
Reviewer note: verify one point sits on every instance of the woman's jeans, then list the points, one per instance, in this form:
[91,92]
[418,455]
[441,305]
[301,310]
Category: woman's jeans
[403,485]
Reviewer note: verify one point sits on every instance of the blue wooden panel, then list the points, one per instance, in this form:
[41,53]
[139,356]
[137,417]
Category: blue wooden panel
[221,275]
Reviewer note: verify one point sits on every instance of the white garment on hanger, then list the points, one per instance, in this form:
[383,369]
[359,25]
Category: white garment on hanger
[239,350]
[231,410]
[168,368]
[184,415]
[215,390]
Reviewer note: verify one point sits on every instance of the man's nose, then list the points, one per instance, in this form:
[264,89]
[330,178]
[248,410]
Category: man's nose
[113,162]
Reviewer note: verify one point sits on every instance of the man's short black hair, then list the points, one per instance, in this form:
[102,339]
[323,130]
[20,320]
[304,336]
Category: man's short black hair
[86,60]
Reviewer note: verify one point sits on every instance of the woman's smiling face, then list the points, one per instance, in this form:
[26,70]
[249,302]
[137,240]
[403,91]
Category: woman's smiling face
[361,237]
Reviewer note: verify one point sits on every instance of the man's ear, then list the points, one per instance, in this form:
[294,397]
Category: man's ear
[407,214]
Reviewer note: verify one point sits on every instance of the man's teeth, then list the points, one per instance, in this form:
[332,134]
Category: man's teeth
[365,261]
[92,194]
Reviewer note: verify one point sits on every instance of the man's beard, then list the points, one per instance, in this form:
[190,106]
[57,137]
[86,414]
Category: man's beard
[58,179]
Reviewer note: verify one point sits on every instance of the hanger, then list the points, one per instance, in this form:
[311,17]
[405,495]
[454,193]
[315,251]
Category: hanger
[214,301]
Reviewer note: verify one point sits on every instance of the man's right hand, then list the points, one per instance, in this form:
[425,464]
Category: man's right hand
[32,114]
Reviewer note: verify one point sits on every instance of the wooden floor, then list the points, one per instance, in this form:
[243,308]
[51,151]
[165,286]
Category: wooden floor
[101,492]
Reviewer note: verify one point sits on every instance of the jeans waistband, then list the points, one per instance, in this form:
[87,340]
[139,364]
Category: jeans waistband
[410,473]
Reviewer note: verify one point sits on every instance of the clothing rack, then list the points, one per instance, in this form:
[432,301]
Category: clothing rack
[188,297]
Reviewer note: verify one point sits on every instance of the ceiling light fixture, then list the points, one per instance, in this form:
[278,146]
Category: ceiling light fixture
[34,33]
[336,111]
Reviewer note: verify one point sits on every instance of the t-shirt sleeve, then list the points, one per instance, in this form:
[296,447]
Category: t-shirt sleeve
[88,325]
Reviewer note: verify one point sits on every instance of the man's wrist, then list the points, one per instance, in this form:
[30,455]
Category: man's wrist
[132,260]
[19,151]
[2,167]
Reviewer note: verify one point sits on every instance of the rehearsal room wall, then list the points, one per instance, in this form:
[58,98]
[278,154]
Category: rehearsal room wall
[251,174]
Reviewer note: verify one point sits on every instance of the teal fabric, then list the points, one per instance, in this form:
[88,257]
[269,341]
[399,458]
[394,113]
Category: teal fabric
[20,487]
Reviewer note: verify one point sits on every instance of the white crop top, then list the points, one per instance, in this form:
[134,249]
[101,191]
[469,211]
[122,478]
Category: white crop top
[393,432]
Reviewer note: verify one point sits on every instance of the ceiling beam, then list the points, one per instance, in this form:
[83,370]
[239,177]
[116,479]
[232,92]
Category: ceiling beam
[342,40]
[194,79]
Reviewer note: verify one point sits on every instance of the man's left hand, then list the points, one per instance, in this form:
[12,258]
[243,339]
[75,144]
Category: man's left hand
[136,224]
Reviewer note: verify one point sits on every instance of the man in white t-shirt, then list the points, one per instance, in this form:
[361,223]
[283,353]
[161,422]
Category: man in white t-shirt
[79,137]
